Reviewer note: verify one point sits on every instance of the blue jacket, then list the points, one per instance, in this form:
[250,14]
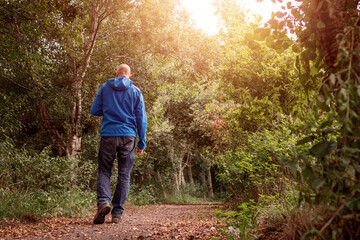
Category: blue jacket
[122,106]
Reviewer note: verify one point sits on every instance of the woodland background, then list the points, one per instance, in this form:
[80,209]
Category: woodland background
[265,117]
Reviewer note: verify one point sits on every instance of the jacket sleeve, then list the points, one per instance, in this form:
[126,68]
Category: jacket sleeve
[141,121]
[96,108]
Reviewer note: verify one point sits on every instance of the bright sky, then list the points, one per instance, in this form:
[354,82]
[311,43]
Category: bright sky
[202,11]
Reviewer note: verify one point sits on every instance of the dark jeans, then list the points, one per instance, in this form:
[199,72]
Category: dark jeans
[124,147]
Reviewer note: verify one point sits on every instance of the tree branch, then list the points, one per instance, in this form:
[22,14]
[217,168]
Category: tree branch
[26,88]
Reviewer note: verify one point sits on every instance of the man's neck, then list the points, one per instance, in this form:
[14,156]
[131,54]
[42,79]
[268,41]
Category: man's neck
[127,76]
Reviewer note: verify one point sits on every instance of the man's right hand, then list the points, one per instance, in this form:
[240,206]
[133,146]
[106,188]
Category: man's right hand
[139,151]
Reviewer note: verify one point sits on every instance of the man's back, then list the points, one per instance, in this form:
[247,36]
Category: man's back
[119,102]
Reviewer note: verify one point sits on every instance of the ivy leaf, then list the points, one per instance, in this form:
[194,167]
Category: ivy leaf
[273,23]
[322,149]
[295,13]
[297,48]
[289,24]
[286,45]
[253,45]
[261,33]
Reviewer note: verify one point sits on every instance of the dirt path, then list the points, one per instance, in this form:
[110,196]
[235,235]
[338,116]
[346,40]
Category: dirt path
[145,222]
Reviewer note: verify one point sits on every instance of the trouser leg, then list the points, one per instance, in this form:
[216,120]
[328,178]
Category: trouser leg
[106,158]
[126,156]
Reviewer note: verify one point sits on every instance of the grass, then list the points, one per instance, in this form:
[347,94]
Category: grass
[39,204]
[185,199]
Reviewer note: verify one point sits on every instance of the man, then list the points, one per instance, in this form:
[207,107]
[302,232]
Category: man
[122,106]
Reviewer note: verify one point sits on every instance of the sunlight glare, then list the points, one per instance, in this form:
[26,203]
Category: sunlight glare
[202,11]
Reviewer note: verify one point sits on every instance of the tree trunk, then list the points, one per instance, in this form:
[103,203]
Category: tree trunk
[57,141]
[181,171]
[161,184]
[191,178]
[204,184]
[74,131]
[211,190]
[175,172]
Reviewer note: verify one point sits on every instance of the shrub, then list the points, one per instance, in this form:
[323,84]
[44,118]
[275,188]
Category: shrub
[40,184]
[142,196]
[39,203]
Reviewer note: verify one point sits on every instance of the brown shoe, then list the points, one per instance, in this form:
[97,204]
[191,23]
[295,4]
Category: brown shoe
[116,219]
[102,211]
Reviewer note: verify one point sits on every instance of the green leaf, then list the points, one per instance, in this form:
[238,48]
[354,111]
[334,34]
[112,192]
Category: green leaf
[313,232]
[253,45]
[352,203]
[314,70]
[318,183]
[280,50]
[320,24]
[293,168]
[295,13]
[304,79]
[249,36]
[308,174]
[273,23]
[261,33]
[308,55]
[289,23]
[286,44]
[273,43]
[303,141]
[321,98]
[332,79]
[351,171]
[322,149]
[297,48]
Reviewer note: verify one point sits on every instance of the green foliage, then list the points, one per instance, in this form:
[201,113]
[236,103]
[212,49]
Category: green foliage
[184,199]
[248,218]
[142,196]
[40,184]
[239,222]
[254,167]
[249,107]
[20,170]
[39,203]
[327,158]
[24,171]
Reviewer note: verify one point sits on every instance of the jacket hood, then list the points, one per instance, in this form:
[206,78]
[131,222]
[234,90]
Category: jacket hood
[120,83]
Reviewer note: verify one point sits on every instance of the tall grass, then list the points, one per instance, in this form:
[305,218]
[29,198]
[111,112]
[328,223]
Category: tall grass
[39,203]
[34,185]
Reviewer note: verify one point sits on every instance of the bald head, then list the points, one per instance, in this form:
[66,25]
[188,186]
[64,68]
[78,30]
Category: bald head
[123,70]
